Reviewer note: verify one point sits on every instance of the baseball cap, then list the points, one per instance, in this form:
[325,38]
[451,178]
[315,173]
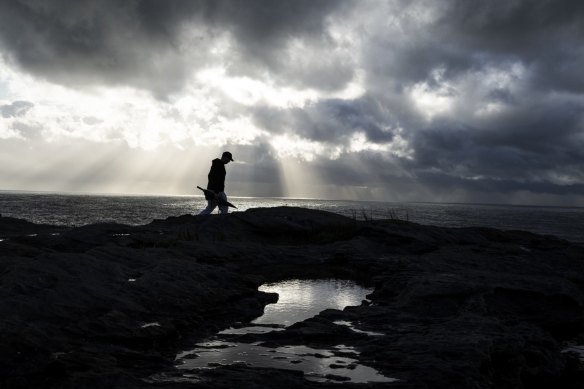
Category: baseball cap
[228,155]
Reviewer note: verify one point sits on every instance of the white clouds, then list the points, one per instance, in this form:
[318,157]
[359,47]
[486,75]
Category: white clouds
[286,146]
[238,131]
[293,146]
[249,92]
[7,130]
[110,114]
[433,100]
[15,109]
[397,148]
[486,92]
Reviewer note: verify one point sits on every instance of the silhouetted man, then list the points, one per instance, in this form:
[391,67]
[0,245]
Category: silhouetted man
[217,184]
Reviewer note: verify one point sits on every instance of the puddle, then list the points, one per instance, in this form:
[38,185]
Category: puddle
[298,300]
[301,299]
[317,364]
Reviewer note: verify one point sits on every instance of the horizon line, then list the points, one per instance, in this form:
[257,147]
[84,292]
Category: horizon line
[83,193]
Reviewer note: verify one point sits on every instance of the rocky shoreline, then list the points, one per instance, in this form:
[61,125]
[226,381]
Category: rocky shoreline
[457,307]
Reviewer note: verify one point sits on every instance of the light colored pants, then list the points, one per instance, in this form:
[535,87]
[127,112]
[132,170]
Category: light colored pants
[211,204]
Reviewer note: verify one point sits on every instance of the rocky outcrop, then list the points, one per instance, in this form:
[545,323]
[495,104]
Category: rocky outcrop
[109,305]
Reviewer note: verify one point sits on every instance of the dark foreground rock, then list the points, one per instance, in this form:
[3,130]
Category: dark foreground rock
[109,306]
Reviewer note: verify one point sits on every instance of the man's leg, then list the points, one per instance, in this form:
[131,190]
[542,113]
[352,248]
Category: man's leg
[211,204]
[223,209]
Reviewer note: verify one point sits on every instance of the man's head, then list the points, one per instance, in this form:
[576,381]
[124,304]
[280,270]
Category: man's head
[226,157]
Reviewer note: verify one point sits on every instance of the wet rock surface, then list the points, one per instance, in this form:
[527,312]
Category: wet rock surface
[110,305]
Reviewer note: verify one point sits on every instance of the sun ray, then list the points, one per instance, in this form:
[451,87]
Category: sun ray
[298,179]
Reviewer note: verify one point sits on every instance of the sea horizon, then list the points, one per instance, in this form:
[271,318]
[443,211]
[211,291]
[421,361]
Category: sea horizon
[120,194]
[83,208]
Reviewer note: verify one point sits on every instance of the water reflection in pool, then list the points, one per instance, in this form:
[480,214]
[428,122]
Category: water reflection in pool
[317,364]
[298,300]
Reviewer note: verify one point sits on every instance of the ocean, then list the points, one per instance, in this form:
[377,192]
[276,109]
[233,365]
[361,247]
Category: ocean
[80,209]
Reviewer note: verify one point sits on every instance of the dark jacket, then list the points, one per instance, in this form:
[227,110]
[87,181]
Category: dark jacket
[217,176]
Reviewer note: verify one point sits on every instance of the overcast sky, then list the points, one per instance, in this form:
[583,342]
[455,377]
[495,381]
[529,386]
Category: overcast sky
[396,100]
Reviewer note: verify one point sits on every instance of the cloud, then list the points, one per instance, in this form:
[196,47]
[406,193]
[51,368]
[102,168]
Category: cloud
[15,109]
[543,35]
[95,42]
[408,99]
[461,36]
[329,120]
[156,45]
[11,115]
[487,93]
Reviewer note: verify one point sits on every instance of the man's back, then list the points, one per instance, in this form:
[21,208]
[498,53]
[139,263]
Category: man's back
[217,176]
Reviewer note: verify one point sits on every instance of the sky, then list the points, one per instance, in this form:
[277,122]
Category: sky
[391,100]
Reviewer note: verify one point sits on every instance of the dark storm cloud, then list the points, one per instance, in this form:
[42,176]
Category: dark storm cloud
[263,29]
[501,95]
[534,141]
[544,35]
[91,42]
[330,120]
[139,42]
[517,28]
[361,115]
[528,144]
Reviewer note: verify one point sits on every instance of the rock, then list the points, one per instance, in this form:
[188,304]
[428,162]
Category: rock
[459,308]
[12,227]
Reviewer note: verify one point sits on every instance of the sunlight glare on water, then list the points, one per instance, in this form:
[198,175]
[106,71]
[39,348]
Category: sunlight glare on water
[301,299]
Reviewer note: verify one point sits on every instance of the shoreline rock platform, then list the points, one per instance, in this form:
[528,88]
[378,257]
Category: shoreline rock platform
[110,305]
